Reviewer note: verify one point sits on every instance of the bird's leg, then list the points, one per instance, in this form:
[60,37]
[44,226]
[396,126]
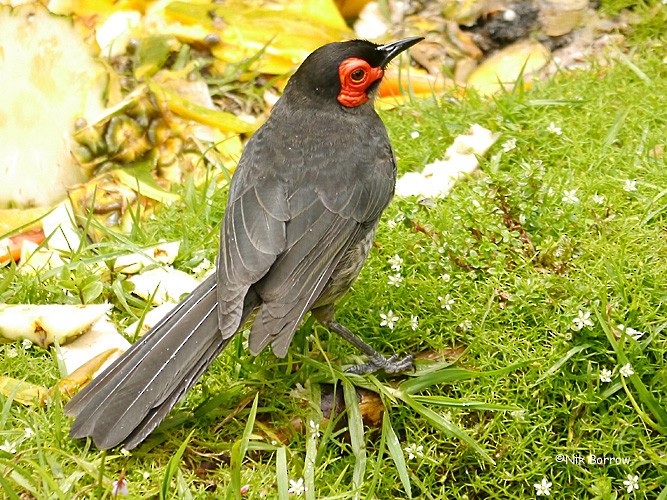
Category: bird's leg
[377,361]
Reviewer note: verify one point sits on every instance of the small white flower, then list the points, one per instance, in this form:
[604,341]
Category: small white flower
[598,198]
[543,488]
[11,352]
[396,262]
[119,487]
[414,322]
[414,134]
[395,280]
[314,428]
[388,319]
[29,433]
[509,145]
[630,185]
[445,277]
[632,483]
[391,223]
[297,487]
[519,415]
[8,447]
[583,319]
[554,129]
[631,332]
[605,375]
[635,334]
[300,392]
[570,196]
[146,474]
[26,344]
[414,450]
[446,302]
[626,370]
[465,325]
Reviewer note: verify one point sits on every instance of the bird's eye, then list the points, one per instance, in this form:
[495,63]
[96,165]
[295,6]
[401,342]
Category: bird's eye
[357,75]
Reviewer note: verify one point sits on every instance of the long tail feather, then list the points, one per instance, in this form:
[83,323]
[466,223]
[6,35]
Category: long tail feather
[126,402]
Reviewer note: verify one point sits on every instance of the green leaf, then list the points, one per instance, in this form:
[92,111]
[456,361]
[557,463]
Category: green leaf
[92,290]
[309,464]
[7,489]
[172,468]
[446,426]
[138,177]
[282,476]
[467,405]
[153,52]
[357,439]
[239,449]
[645,395]
[556,366]
[223,120]
[396,454]
[454,374]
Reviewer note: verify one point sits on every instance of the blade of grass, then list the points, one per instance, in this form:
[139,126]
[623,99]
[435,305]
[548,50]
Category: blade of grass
[649,215]
[554,102]
[446,426]
[632,66]
[357,438]
[556,366]
[172,467]
[454,374]
[616,126]
[379,464]
[282,476]
[239,450]
[396,454]
[99,487]
[25,479]
[310,461]
[182,490]
[49,484]
[469,405]
[663,494]
[7,489]
[645,395]
[10,274]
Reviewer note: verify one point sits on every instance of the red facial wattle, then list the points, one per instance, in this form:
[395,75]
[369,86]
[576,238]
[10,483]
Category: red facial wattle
[356,75]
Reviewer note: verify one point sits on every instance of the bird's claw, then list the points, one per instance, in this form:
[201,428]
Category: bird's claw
[393,364]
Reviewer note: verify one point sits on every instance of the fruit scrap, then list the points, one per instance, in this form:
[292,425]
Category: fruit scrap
[45,324]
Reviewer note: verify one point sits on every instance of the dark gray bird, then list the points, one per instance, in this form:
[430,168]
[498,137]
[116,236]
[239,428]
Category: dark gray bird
[303,207]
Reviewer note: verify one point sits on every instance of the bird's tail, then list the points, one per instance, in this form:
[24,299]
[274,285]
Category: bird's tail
[130,398]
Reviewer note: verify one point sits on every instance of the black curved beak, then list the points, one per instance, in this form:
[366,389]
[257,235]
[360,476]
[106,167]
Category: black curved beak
[392,49]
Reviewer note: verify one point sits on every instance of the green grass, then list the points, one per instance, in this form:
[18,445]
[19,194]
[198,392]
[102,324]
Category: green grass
[502,267]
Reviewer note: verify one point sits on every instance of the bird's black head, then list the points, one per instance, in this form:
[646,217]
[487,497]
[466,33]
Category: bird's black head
[347,73]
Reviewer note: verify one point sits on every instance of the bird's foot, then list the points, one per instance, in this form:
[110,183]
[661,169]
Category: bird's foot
[393,364]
